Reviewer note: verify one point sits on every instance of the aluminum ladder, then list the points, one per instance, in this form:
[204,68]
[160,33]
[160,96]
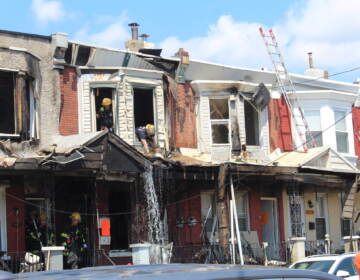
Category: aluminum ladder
[286,88]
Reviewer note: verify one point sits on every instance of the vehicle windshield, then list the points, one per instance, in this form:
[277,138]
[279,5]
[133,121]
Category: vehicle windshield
[323,266]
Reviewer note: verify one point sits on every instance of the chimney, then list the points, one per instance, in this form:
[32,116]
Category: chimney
[134,30]
[314,72]
[311,62]
[144,37]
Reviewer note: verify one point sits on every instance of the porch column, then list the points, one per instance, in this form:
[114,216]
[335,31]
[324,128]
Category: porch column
[297,248]
[223,213]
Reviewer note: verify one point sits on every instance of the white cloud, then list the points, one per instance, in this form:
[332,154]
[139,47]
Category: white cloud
[47,11]
[328,28]
[113,35]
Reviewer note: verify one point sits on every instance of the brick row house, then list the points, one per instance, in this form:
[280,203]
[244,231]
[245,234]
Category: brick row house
[219,128]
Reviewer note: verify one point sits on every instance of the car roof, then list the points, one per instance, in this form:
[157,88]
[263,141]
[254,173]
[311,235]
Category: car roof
[330,257]
[175,272]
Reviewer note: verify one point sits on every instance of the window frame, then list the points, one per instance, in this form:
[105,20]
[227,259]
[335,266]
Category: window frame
[245,198]
[220,121]
[314,133]
[258,124]
[338,110]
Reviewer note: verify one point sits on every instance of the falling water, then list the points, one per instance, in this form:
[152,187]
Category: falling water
[155,226]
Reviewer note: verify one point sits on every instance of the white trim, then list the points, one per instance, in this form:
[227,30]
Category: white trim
[3,217]
[326,210]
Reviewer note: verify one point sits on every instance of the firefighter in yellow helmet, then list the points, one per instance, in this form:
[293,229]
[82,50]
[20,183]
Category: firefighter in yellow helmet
[74,242]
[146,135]
[105,114]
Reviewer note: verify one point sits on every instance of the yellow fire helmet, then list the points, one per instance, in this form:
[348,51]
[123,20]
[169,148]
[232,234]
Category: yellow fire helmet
[106,101]
[75,216]
[150,129]
[43,216]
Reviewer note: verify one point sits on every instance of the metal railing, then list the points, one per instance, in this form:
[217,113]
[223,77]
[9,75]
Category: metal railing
[253,253]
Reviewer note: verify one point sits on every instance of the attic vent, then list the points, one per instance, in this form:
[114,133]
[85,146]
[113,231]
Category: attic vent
[83,55]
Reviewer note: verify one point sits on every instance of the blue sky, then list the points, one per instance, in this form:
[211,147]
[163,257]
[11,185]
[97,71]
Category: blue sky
[219,31]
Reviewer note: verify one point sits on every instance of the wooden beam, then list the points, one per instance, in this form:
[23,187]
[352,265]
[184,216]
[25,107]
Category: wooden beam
[223,213]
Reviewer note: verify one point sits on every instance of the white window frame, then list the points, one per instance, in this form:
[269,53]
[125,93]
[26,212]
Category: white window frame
[3,217]
[93,107]
[220,121]
[346,129]
[146,87]
[320,121]
[245,196]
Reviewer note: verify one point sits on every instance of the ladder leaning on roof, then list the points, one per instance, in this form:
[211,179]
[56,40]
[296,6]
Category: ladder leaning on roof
[286,87]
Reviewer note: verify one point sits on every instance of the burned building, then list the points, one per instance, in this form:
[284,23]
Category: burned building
[227,170]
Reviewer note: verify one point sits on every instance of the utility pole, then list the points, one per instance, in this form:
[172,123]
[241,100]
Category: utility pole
[222,212]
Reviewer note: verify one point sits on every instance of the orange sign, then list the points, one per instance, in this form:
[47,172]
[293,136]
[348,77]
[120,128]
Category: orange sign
[264,218]
[309,212]
[105,227]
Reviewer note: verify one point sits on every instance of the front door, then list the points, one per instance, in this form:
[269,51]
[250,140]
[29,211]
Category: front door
[321,216]
[270,230]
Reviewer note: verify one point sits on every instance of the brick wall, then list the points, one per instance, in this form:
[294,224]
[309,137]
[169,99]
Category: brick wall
[69,102]
[279,125]
[356,127]
[185,118]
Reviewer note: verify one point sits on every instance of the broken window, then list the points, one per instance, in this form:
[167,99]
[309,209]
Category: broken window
[100,94]
[7,103]
[17,105]
[342,143]
[242,210]
[219,118]
[251,124]
[314,122]
[143,106]
[119,202]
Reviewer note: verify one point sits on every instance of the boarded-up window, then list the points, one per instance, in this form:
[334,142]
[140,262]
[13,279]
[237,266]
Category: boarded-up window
[7,103]
[219,118]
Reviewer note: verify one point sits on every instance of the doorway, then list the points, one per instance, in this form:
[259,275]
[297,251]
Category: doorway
[100,94]
[321,216]
[143,106]
[270,230]
[120,219]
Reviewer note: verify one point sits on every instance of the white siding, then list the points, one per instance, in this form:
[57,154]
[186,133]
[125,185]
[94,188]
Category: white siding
[204,125]
[86,108]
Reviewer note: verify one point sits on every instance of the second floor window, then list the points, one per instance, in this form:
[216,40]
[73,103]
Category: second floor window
[251,124]
[314,121]
[342,143]
[219,119]
[7,103]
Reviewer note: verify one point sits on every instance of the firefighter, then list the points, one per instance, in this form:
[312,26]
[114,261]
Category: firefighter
[74,242]
[32,238]
[46,235]
[146,135]
[105,114]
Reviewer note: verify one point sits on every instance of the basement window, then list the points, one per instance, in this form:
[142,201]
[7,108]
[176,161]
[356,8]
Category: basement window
[251,124]
[219,119]
[7,103]
[143,106]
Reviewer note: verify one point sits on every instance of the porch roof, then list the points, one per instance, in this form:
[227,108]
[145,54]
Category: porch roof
[319,158]
[98,151]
